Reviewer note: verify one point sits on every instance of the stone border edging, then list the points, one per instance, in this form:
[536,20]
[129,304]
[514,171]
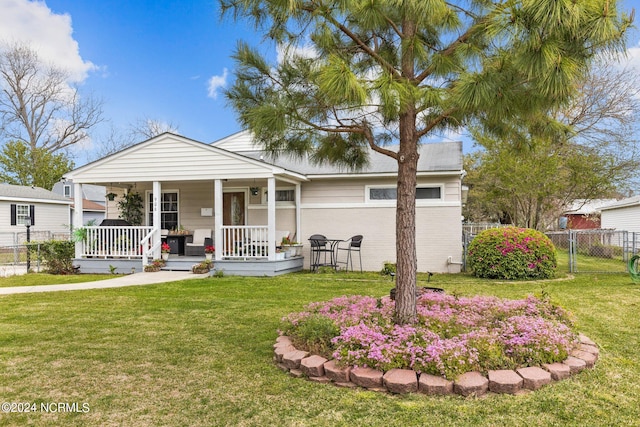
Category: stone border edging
[316,368]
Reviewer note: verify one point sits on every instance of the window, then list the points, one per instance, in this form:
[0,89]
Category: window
[391,193]
[168,210]
[428,193]
[288,195]
[285,196]
[20,213]
[67,191]
[383,194]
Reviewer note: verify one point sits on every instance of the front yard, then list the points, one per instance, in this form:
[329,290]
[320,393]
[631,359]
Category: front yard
[199,353]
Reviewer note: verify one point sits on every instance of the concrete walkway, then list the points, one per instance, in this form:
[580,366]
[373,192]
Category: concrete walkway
[136,279]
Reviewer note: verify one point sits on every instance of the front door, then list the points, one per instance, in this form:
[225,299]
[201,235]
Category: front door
[233,214]
[233,208]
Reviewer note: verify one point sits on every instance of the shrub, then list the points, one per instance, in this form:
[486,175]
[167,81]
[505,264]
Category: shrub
[57,255]
[512,253]
[388,269]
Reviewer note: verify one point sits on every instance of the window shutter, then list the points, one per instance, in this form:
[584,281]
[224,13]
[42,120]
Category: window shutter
[32,214]
[14,220]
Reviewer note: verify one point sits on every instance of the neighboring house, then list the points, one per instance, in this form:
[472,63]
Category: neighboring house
[225,187]
[93,200]
[622,215]
[48,213]
[585,214]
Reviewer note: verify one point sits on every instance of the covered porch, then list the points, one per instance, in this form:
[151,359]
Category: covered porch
[244,206]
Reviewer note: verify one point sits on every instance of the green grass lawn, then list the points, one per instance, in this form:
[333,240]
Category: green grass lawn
[50,279]
[199,353]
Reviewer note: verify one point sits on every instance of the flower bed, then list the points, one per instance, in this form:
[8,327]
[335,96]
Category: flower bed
[453,335]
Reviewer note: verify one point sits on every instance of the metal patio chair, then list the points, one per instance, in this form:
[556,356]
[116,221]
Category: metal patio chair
[354,244]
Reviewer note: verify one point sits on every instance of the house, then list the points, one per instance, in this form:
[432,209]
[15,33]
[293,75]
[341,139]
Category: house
[93,200]
[622,215]
[225,187]
[47,213]
[584,214]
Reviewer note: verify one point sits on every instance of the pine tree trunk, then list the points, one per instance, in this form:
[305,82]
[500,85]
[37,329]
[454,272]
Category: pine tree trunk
[406,258]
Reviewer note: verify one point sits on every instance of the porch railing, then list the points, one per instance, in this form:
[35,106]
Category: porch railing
[122,242]
[244,241]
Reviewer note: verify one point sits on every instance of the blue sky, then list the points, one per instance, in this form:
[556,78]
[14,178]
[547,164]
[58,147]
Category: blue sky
[148,59]
[156,58]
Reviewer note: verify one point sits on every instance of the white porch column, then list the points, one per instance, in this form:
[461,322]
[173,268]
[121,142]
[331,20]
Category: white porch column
[271,217]
[77,214]
[217,211]
[298,220]
[157,219]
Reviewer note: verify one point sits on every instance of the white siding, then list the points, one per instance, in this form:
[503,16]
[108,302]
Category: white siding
[624,219]
[238,142]
[48,217]
[337,209]
[438,234]
[171,158]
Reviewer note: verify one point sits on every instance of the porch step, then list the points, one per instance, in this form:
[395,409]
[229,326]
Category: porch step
[183,264]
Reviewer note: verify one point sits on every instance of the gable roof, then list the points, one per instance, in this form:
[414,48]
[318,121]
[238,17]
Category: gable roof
[30,194]
[587,207]
[169,157]
[434,157]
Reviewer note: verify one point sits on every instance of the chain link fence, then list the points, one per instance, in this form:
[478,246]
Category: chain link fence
[596,251]
[14,254]
[469,232]
[586,251]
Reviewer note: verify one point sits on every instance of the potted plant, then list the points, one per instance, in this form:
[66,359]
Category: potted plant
[292,248]
[155,265]
[208,251]
[132,208]
[202,267]
[165,249]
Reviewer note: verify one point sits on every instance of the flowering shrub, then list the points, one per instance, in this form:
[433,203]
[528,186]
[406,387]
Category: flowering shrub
[512,253]
[452,336]
[165,248]
[209,249]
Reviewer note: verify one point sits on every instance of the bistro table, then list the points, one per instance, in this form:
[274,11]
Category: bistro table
[320,245]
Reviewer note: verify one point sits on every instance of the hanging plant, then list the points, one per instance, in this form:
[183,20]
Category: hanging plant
[131,207]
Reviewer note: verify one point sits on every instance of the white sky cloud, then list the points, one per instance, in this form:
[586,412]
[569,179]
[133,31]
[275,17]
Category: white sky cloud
[50,34]
[633,57]
[217,82]
[291,51]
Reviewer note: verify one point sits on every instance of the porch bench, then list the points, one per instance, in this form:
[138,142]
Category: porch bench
[195,244]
